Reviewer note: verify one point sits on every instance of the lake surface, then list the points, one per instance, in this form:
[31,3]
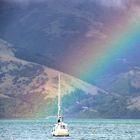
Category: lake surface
[79,130]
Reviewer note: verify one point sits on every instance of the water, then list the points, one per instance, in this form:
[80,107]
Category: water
[79,130]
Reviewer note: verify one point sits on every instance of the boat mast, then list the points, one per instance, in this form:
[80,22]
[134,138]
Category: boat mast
[59,100]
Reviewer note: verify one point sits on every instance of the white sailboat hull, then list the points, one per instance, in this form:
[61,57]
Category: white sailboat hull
[60,133]
[60,130]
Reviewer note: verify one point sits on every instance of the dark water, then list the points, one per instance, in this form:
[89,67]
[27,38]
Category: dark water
[79,130]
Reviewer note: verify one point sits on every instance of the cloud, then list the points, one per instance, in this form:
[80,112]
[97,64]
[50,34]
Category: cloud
[118,3]
[25,1]
[113,3]
[108,3]
[94,33]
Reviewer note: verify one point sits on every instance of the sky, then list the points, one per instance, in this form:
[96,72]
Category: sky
[117,3]
[101,36]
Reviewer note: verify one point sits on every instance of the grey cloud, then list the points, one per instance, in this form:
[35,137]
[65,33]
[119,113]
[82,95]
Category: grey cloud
[118,3]
[24,1]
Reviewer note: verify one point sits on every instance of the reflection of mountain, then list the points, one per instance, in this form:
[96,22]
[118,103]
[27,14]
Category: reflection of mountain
[26,88]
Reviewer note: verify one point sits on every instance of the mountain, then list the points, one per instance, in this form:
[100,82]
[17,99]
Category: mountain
[28,89]
[121,99]
[126,88]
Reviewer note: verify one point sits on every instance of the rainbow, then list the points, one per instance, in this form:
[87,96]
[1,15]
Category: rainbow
[122,41]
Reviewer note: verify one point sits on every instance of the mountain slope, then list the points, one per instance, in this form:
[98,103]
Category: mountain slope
[30,90]
[27,89]
[125,87]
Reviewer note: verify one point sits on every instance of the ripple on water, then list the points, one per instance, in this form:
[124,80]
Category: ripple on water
[79,130]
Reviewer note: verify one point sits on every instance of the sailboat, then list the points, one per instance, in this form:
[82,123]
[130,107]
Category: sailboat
[60,129]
